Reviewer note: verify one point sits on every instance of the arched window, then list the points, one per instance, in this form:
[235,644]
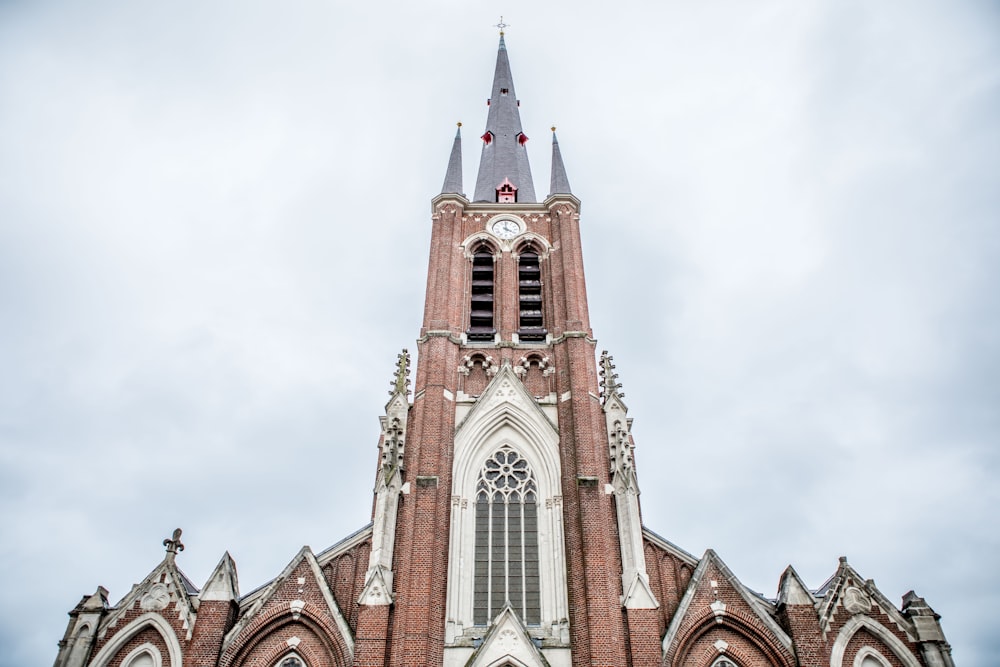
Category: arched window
[723,662]
[506,564]
[291,661]
[144,659]
[481,305]
[529,281]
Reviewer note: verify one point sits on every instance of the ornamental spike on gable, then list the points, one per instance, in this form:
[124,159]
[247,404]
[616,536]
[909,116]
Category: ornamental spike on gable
[173,544]
[610,386]
[401,380]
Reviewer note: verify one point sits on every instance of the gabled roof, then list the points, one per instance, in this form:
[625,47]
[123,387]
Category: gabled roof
[174,583]
[669,547]
[504,155]
[760,607]
[833,596]
[323,557]
[261,601]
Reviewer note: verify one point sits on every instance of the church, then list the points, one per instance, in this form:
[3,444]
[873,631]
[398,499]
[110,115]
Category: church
[506,525]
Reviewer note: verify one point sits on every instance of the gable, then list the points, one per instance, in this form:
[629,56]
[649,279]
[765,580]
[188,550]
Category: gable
[299,601]
[507,643]
[718,609]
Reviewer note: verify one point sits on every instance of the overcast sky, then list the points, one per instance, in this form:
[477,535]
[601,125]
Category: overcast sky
[214,222]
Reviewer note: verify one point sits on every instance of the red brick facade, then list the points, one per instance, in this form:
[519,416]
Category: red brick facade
[345,607]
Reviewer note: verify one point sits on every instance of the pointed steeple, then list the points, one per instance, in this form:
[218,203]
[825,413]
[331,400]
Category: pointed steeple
[504,154]
[453,177]
[222,584]
[559,183]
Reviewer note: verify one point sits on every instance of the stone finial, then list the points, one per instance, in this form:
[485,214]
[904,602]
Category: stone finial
[173,544]
[610,386]
[401,380]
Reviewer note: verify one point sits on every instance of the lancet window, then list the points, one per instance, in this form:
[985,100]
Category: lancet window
[529,280]
[506,544]
[481,303]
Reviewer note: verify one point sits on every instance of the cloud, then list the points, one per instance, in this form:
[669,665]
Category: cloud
[213,234]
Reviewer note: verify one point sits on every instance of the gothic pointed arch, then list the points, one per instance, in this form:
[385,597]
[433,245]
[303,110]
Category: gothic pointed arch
[864,623]
[718,615]
[149,620]
[144,655]
[482,323]
[506,433]
[531,310]
[297,610]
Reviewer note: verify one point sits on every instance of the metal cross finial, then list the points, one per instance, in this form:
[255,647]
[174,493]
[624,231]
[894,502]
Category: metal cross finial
[501,25]
[173,544]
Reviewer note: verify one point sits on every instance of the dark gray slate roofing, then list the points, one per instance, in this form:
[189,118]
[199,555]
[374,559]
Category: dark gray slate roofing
[453,177]
[505,155]
[560,183]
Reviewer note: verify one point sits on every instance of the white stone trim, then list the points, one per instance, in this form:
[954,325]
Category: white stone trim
[144,648]
[150,619]
[506,415]
[869,652]
[858,622]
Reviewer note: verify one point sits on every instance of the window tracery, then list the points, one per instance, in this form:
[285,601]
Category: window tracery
[506,542]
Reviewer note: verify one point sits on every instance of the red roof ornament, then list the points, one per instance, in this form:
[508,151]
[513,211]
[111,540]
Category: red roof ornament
[522,138]
[487,138]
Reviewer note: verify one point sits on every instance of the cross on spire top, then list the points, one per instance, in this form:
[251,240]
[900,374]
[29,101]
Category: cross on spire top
[501,25]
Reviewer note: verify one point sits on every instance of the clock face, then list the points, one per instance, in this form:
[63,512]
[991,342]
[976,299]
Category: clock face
[506,229]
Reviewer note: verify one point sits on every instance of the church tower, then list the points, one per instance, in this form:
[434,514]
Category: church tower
[505,525]
[516,505]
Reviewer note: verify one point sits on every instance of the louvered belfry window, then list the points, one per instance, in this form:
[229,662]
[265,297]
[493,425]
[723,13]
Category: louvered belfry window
[529,279]
[481,306]
[506,568]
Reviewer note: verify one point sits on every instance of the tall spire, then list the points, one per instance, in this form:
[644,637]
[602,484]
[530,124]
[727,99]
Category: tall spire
[453,177]
[504,156]
[559,184]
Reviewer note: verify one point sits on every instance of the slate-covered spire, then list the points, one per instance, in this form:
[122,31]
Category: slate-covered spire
[453,177]
[559,184]
[504,156]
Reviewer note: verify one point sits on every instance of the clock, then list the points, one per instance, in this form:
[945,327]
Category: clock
[505,229]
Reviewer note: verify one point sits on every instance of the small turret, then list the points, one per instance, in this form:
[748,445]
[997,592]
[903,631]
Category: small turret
[453,177]
[559,183]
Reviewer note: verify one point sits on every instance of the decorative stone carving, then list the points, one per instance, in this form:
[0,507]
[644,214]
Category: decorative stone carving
[156,598]
[296,606]
[401,380]
[392,447]
[507,640]
[622,460]
[856,601]
[610,386]
[173,544]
